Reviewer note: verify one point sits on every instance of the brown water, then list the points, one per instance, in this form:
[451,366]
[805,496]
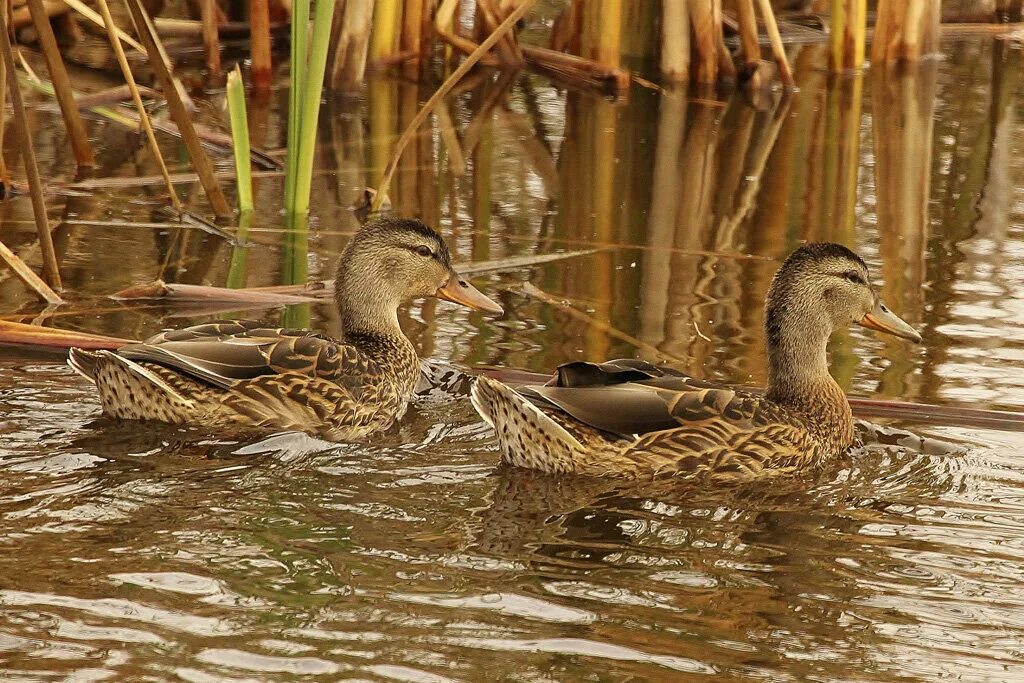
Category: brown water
[132,552]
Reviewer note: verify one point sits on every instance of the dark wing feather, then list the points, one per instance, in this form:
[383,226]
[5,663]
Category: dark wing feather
[635,397]
[223,354]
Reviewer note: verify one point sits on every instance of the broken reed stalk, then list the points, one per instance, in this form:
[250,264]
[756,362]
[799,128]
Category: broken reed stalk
[308,109]
[702,20]
[51,272]
[775,40]
[351,42]
[510,54]
[421,116]
[675,41]
[726,67]
[5,176]
[259,44]
[211,39]
[26,275]
[747,20]
[905,30]
[240,137]
[387,21]
[602,32]
[126,71]
[411,38]
[177,110]
[91,14]
[846,38]
[62,85]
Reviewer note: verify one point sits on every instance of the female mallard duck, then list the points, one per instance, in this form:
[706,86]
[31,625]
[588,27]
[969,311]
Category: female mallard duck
[631,419]
[245,374]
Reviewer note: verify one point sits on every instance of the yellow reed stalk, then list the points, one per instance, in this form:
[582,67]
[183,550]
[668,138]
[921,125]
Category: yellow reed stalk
[387,22]
[424,112]
[778,51]
[126,71]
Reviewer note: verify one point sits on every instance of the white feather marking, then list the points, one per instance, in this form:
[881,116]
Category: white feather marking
[147,375]
[556,430]
[75,363]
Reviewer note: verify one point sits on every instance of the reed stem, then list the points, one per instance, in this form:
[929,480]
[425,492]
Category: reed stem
[297,64]
[775,39]
[675,41]
[905,30]
[259,44]
[311,94]
[144,121]
[211,38]
[178,112]
[62,85]
[439,94]
[240,137]
[51,272]
[387,19]
[848,29]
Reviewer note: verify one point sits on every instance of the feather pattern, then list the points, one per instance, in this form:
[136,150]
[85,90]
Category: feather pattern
[628,418]
[246,374]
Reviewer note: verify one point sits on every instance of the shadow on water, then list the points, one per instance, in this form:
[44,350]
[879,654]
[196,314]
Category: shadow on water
[134,551]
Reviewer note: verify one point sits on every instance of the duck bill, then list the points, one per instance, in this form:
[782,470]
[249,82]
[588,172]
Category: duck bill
[883,320]
[459,291]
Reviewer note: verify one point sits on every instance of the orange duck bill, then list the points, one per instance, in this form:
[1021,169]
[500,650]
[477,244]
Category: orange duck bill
[459,291]
[883,320]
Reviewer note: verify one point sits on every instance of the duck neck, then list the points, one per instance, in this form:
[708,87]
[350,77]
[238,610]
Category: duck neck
[798,376]
[369,322]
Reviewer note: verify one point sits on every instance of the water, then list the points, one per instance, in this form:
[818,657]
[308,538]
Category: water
[141,552]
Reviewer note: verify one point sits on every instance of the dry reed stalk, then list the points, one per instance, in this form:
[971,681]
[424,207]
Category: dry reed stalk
[51,272]
[61,85]
[726,67]
[565,34]
[34,335]
[440,93]
[675,41]
[747,20]
[177,110]
[508,47]
[387,23]
[350,45]
[211,39]
[412,37]
[444,25]
[5,176]
[126,71]
[94,17]
[905,30]
[848,29]
[778,50]
[702,20]
[456,160]
[259,44]
[577,71]
[534,292]
[602,32]
[26,275]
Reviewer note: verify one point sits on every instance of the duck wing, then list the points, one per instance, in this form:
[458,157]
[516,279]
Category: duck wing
[635,397]
[225,353]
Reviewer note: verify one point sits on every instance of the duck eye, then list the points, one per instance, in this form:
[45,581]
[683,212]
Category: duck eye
[854,277]
[424,250]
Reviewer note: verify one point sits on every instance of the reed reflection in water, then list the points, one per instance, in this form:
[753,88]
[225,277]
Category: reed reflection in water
[136,552]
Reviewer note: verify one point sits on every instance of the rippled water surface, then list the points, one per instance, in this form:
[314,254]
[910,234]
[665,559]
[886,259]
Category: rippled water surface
[142,552]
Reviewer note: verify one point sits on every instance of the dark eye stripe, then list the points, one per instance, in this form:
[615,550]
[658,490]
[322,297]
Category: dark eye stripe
[852,276]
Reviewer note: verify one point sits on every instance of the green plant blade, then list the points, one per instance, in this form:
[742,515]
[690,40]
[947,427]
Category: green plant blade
[240,138]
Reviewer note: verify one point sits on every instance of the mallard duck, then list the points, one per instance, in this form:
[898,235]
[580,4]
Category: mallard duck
[247,374]
[631,419]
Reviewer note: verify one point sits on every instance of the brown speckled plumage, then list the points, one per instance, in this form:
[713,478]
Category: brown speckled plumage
[245,374]
[631,419]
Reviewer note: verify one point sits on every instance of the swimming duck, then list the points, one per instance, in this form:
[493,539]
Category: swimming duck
[632,419]
[247,374]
